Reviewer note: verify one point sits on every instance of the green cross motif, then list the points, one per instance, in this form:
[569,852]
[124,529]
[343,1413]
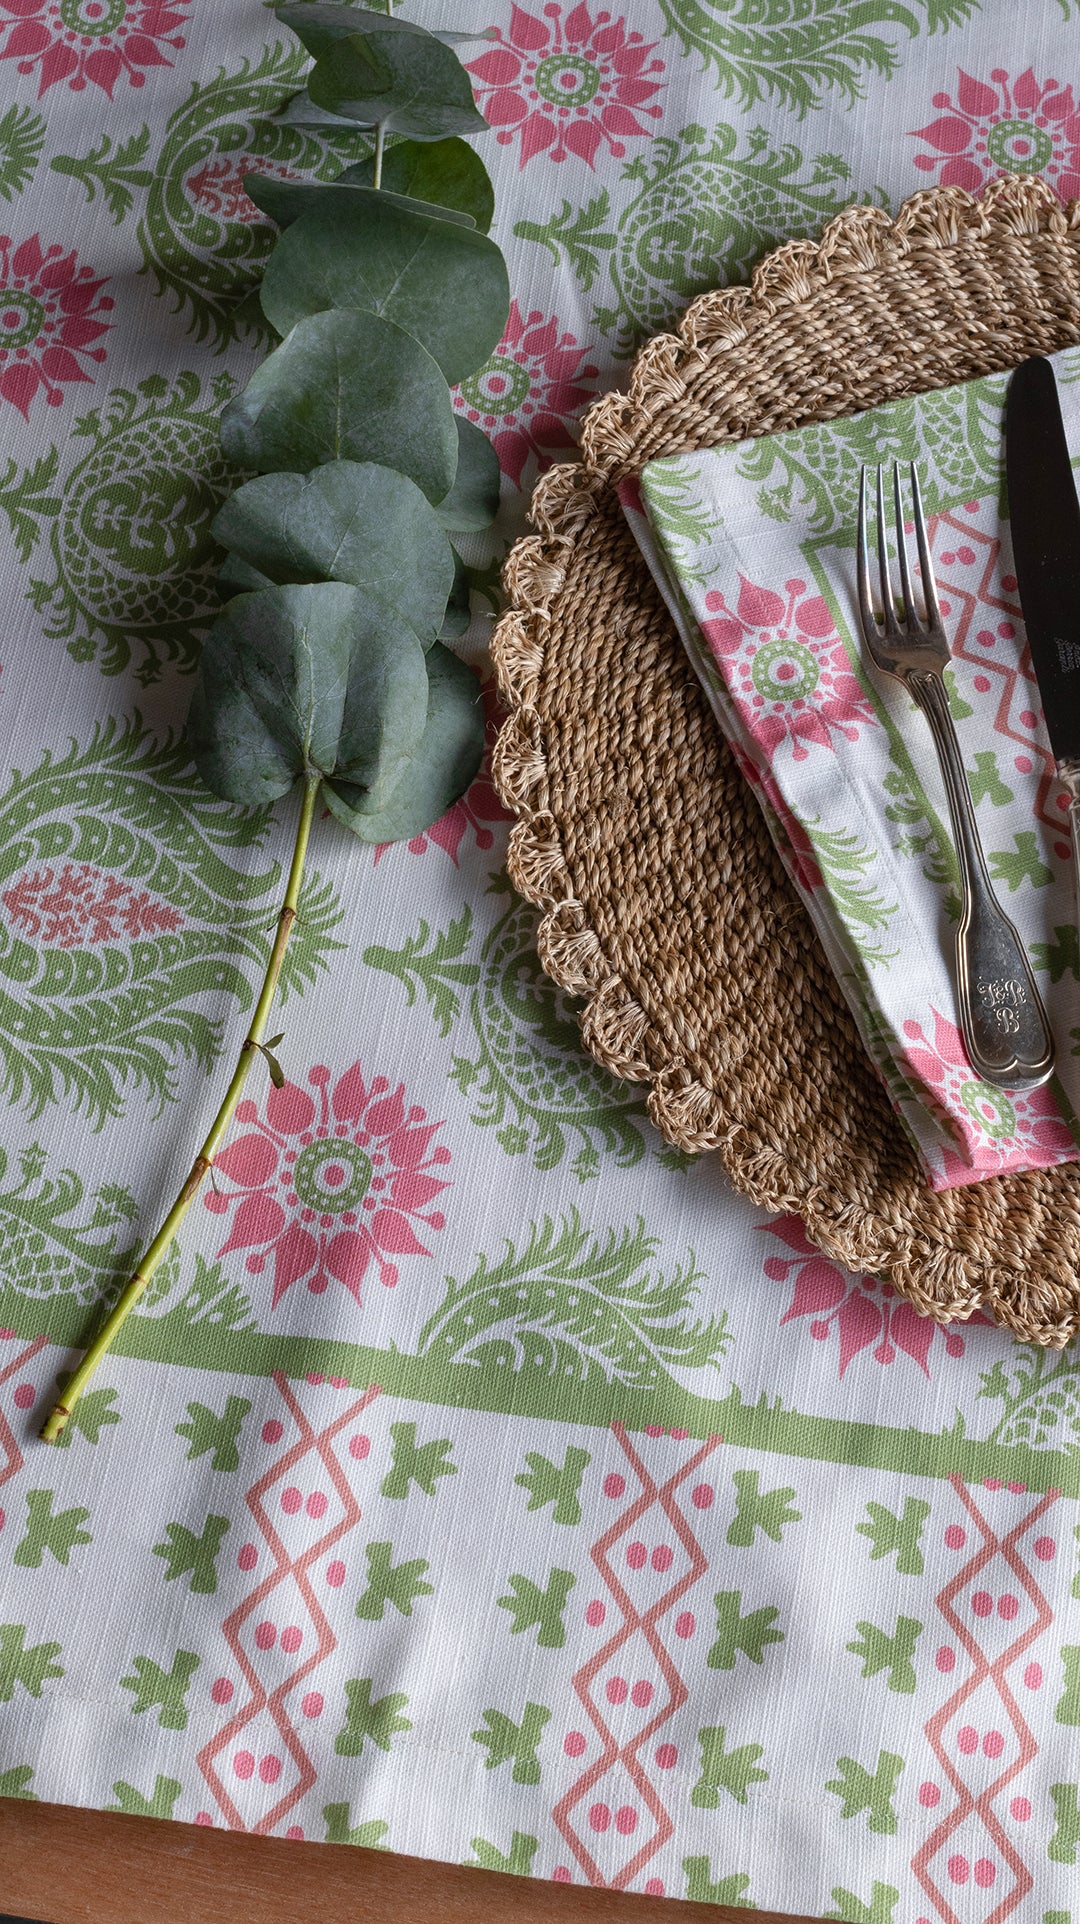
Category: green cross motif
[1062,1845]
[881,1652]
[518,1859]
[159,1804]
[410,1464]
[530,1605]
[727,1890]
[399,1584]
[368,1836]
[860,1790]
[547,1484]
[503,1740]
[730,1770]
[883,1902]
[751,1634]
[59,1534]
[380,1720]
[205,1431]
[163,1690]
[31,1668]
[767,1510]
[900,1533]
[184,1551]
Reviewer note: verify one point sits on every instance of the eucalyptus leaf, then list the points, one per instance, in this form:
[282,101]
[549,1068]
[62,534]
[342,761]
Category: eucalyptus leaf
[318,26]
[300,111]
[346,521]
[286,200]
[458,612]
[236,576]
[397,78]
[473,501]
[324,678]
[446,285]
[346,386]
[449,173]
[441,769]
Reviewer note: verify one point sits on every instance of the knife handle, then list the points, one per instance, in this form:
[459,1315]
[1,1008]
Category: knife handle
[1004,1024]
[1069,773]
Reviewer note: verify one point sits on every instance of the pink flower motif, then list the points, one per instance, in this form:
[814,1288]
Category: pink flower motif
[81,905]
[527,395]
[478,806]
[330,1185]
[996,1131]
[1019,127]
[785,668]
[858,1309]
[567,87]
[95,40]
[49,315]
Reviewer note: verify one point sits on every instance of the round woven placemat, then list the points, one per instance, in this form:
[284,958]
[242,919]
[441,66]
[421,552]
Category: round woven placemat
[665,902]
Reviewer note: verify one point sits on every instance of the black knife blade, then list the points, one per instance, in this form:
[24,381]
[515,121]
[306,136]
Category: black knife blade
[1045,520]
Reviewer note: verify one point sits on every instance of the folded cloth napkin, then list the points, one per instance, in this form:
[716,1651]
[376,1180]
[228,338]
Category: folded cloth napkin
[753,546]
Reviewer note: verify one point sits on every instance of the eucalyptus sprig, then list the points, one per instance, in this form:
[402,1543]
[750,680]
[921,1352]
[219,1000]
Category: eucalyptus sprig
[326,668]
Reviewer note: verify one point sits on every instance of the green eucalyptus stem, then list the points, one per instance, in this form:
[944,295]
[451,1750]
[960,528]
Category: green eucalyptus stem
[380,142]
[59,1415]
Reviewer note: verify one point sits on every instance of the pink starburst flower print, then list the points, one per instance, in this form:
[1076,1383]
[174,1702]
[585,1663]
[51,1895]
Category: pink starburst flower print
[566,83]
[81,906]
[50,313]
[785,667]
[858,1310]
[1025,126]
[474,810]
[90,40]
[526,397]
[996,1131]
[328,1184]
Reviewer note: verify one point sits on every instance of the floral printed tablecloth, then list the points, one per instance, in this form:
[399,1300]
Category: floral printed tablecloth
[481,1479]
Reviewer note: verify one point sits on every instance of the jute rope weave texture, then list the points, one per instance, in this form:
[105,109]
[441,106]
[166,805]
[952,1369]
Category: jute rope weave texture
[665,904]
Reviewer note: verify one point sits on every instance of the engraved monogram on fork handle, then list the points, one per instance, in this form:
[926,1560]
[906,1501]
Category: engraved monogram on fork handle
[1004,1025]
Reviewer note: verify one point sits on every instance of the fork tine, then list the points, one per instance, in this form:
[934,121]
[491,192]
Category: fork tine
[933,612]
[911,619]
[866,606]
[888,611]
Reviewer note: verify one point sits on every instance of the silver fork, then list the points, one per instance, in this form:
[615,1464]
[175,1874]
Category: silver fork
[1002,1019]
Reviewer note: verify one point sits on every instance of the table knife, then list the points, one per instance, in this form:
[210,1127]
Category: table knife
[1045,519]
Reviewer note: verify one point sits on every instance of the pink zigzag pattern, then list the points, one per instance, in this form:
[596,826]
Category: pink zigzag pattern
[1017,679]
[634,1620]
[286,1567]
[13,1458]
[967,1805]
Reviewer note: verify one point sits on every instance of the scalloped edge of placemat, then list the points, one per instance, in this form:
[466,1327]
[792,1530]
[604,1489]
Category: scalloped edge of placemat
[620,432]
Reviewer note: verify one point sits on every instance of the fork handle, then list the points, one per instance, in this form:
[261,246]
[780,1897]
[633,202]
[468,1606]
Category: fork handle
[1002,1018]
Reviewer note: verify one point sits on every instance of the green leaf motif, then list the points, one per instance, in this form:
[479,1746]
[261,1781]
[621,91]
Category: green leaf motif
[405,81]
[844,861]
[696,214]
[1040,1395]
[159,1804]
[368,1836]
[504,1740]
[735,1771]
[162,1690]
[30,1668]
[42,1254]
[517,1860]
[445,284]
[862,1790]
[131,559]
[16,1783]
[366,1721]
[702,1889]
[768,49]
[880,1910]
[22,135]
[528,1075]
[575,1305]
[199,241]
[121,912]
[114,171]
[346,386]
[348,521]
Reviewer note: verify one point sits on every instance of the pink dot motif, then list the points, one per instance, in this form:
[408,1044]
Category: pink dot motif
[955,1536]
[312,1705]
[1020,1808]
[654,1429]
[574,1743]
[204,1817]
[616,1690]
[317,1504]
[985,1872]
[247,1556]
[614,1484]
[291,1638]
[273,1431]
[1033,1676]
[929,1795]
[270,1769]
[663,1557]
[599,1817]
[654,1887]
[982,1603]
[595,1612]
[335,1574]
[959,1869]
[291,1500]
[1008,1606]
[968,1740]
[637,1556]
[562,1874]
[642,1693]
[701,1496]
[294,1831]
[221,1690]
[244,1764]
[626,1820]
[666,1757]
[3,1519]
[685,1624]
[1045,1548]
[265,1636]
[945,1658]
[24,1396]
[993,1743]
[680,1436]
[359,1447]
